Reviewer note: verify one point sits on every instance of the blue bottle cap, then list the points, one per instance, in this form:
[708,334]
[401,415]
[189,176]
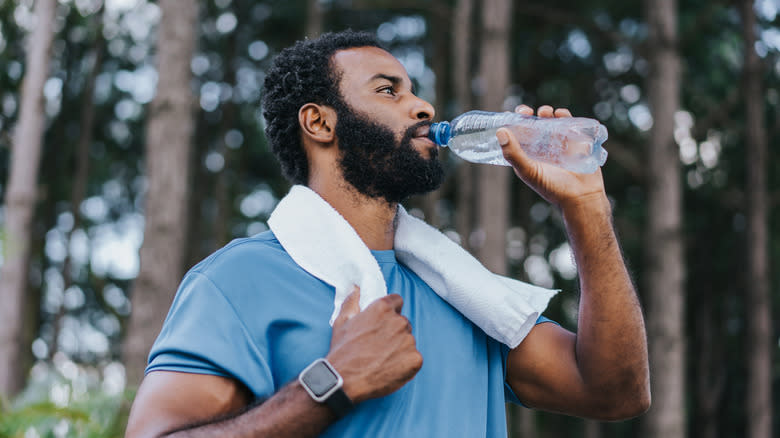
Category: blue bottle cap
[440,133]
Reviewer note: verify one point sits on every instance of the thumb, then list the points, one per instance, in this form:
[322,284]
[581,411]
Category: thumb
[525,167]
[509,145]
[349,308]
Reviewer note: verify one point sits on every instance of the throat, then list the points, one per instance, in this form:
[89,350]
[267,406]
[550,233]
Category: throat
[373,219]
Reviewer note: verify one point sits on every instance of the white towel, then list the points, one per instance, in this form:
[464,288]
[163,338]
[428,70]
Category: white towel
[325,245]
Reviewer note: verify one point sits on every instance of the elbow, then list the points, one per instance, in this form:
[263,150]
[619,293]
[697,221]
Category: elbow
[644,404]
[627,402]
[632,405]
[624,395]
[629,394]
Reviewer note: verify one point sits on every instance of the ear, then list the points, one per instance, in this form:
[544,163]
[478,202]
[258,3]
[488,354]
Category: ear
[317,122]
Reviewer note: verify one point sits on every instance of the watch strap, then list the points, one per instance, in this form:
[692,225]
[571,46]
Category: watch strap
[339,403]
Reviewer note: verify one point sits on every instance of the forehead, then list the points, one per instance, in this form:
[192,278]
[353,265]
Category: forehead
[362,64]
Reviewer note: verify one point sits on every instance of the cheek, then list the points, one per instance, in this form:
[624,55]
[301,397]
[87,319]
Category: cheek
[389,115]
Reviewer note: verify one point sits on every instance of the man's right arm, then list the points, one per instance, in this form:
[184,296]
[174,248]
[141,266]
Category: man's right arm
[374,351]
[174,404]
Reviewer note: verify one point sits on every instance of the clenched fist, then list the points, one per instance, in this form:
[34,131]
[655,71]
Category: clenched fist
[373,350]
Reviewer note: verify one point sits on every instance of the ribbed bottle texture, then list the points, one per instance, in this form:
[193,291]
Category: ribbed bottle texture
[573,143]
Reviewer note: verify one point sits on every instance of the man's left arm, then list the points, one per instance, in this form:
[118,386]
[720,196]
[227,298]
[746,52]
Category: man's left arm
[601,371]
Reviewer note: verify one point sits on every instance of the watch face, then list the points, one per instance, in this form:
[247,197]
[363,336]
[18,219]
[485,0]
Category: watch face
[320,379]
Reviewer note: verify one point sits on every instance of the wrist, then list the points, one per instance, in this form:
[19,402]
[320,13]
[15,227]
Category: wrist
[353,386]
[325,385]
[586,206]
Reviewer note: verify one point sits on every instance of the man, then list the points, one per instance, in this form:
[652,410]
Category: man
[343,120]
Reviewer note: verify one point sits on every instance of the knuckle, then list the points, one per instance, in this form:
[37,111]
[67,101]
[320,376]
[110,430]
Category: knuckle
[401,323]
[417,360]
[396,299]
[382,305]
[407,324]
[409,343]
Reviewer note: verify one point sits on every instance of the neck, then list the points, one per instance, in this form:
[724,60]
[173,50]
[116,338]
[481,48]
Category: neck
[373,219]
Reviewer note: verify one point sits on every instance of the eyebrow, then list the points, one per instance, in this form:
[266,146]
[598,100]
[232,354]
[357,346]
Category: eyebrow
[395,80]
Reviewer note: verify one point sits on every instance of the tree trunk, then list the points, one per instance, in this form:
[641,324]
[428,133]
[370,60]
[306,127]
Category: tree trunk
[492,213]
[168,144]
[314,18]
[493,199]
[665,266]
[20,198]
[591,429]
[462,74]
[759,304]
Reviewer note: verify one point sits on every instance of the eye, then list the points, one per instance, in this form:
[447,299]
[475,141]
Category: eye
[389,90]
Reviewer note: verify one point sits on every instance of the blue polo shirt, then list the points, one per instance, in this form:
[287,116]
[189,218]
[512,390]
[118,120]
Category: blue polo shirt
[248,312]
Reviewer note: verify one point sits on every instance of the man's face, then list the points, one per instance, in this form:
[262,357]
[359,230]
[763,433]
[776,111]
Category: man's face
[382,128]
[378,164]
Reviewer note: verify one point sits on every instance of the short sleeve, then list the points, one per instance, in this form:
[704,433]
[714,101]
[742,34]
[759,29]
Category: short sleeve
[509,394]
[203,334]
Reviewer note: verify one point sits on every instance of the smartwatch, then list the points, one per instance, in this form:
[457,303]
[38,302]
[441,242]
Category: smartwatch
[323,383]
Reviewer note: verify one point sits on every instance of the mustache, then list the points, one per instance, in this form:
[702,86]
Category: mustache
[411,131]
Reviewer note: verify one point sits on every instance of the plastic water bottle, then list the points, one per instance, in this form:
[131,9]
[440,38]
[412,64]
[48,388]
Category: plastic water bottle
[573,143]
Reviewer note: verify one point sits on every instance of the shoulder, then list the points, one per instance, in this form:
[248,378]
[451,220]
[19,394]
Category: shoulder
[261,246]
[252,270]
[259,256]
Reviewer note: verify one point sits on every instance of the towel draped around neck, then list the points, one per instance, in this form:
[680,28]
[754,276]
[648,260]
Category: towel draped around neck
[326,246]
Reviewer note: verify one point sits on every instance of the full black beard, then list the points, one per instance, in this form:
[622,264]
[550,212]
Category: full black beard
[378,165]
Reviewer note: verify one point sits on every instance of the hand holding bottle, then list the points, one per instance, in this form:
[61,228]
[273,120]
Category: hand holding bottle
[573,143]
[557,185]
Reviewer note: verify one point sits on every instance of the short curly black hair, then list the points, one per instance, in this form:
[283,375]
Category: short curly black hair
[303,74]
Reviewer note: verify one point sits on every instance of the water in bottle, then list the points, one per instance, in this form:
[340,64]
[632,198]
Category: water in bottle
[573,143]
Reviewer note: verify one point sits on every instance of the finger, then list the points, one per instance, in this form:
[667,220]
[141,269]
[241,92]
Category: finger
[395,301]
[508,142]
[562,112]
[408,324]
[349,308]
[513,152]
[545,111]
[524,109]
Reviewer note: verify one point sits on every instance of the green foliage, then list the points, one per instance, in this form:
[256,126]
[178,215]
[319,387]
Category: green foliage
[94,415]
[40,416]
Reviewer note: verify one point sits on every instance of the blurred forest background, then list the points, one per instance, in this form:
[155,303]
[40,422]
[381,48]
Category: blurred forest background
[132,145]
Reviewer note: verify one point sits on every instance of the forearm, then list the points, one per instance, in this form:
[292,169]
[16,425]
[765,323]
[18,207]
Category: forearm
[373,350]
[611,347]
[290,412]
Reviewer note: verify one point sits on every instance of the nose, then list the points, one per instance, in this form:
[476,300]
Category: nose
[422,110]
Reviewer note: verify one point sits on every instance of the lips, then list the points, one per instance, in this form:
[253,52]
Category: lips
[422,131]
